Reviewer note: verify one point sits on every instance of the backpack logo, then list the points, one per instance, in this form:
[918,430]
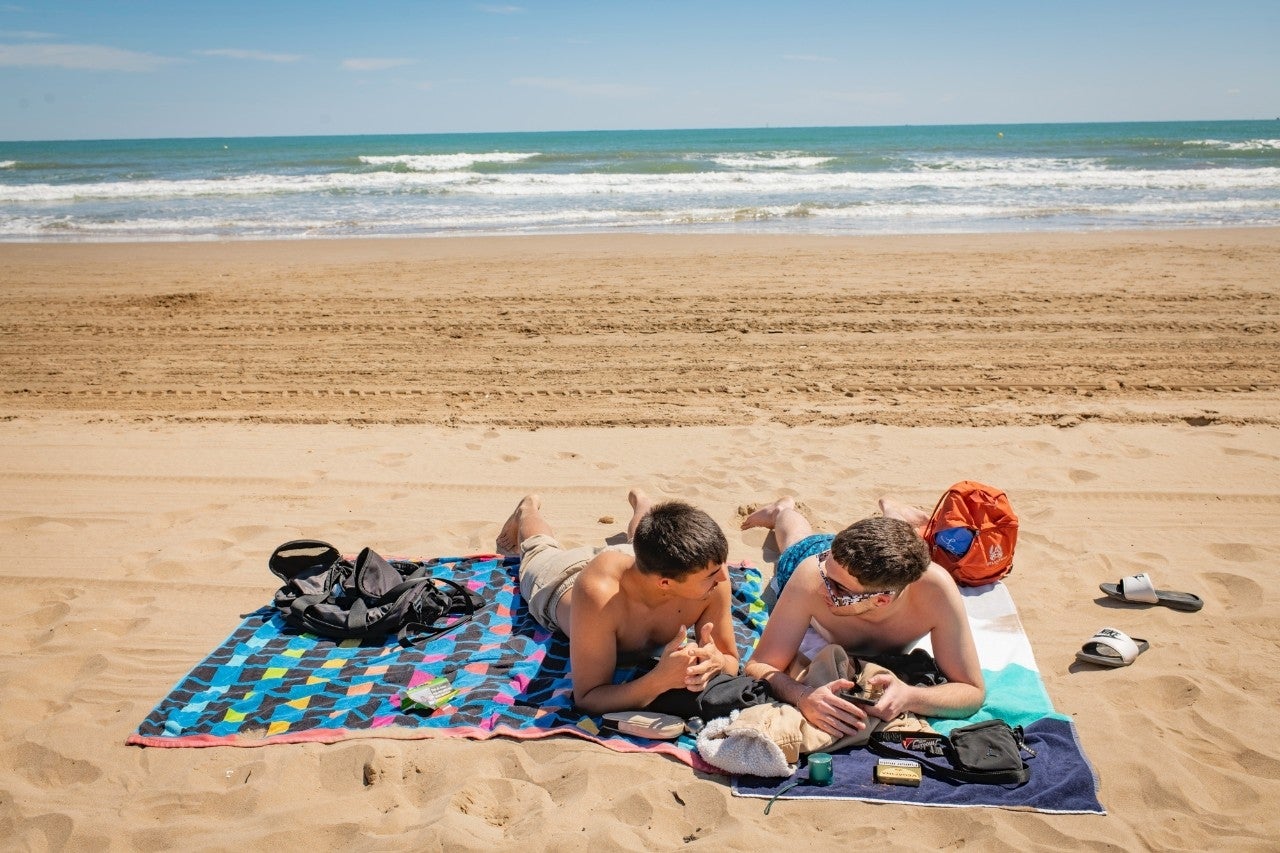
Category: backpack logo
[994,553]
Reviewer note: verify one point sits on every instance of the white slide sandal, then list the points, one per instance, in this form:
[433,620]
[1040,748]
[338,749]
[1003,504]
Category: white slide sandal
[1110,647]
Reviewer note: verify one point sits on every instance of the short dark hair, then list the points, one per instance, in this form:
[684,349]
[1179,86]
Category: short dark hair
[674,539]
[882,553]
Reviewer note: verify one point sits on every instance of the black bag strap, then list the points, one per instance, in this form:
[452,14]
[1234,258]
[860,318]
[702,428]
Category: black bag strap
[454,597]
[879,745]
[298,555]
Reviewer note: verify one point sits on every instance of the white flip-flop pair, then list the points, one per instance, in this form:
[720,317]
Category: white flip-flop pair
[1112,647]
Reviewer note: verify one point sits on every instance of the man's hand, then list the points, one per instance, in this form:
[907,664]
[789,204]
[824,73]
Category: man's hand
[895,699]
[834,715]
[708,660]
[677,657]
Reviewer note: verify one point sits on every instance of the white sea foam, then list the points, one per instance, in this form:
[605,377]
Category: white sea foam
[444,162]
[740,183]
[1244,145]
[834,218]
[1009,164]
[8,164]
[745,183]
[768,160]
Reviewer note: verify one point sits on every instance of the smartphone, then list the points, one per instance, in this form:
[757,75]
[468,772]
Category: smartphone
[856,696]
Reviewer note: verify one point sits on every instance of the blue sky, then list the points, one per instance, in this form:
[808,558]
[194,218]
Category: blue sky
[76,70]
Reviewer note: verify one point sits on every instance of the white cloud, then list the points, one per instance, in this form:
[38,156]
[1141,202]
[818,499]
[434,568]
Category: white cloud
[373,64]
[577,87]
[261,56]
[79,57]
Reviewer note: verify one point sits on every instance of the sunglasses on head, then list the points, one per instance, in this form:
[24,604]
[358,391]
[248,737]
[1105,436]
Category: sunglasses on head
[839,596]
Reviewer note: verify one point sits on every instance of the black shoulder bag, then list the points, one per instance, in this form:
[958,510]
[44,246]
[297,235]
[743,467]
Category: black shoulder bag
[988,753]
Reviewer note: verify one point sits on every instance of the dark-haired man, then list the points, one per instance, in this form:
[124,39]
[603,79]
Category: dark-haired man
[870,589]
[631,602]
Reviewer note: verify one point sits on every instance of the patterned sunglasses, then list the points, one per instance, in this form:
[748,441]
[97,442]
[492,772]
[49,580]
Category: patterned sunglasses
[837,594]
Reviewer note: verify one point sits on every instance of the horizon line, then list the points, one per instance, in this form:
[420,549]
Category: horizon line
[634,130]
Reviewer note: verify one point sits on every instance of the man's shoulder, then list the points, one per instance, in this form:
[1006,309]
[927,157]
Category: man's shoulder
[804,593]
[937,590]
[602,575]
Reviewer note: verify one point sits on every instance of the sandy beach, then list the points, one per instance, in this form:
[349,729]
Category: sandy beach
[169,413]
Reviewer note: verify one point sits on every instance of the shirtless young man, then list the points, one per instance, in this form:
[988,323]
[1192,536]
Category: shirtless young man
[631,601]
[871,589]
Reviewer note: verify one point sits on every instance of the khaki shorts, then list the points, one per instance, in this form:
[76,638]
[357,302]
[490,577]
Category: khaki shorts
[548,571]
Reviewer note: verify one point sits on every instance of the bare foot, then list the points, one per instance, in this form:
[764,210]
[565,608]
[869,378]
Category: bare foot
[640,504]
[767,516]
[508,541]
[914,516]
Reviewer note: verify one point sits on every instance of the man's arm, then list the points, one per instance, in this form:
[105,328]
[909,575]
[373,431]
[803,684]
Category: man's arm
[955,653]
[777,650]
[717,648]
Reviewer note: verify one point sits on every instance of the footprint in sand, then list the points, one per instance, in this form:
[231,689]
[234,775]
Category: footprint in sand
[1242,451]
[501,802]
[1079,475]
[1235,552]
[49,769]
[1238,591]
[246,532]
[42,524]
[1170,692]
[49,614]
[393,460]
[349,768]
[208,545]
[94,666]
[1038,448]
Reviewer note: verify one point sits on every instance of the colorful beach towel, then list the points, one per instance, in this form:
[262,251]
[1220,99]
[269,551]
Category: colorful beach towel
[1062,780]
[267,685]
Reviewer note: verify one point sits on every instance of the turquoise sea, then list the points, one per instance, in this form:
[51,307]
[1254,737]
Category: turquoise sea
[824,180]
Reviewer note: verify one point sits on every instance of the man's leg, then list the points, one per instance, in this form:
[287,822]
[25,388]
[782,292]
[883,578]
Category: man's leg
[524,522]
[916,517]
[546,569]
[640,504]
[782,517]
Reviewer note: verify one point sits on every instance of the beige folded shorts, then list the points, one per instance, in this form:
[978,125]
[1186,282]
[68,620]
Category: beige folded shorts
[548,571]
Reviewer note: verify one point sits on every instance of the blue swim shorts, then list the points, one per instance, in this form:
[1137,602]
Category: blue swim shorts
[797,554]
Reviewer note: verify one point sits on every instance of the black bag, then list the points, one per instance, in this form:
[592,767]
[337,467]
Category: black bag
[988,753]
[366,599]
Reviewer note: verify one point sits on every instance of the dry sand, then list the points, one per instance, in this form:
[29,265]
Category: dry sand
[173,412]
